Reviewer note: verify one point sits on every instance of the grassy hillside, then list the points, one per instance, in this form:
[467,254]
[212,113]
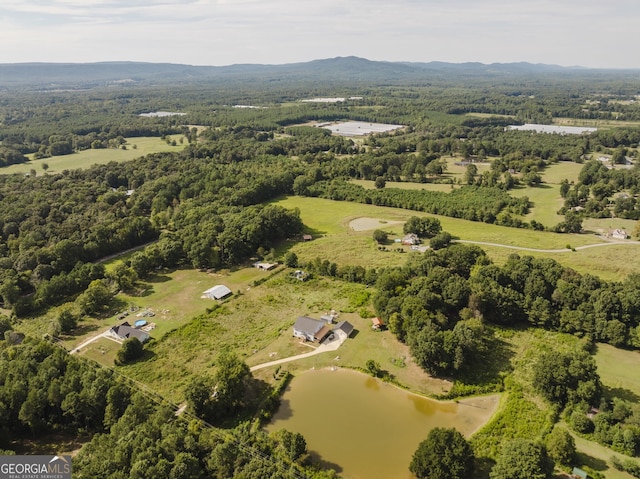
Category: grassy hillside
[329,221]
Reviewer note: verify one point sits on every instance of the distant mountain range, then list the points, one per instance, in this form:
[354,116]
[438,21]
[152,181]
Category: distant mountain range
[340,69]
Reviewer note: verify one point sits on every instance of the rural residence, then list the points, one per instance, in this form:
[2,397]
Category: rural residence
[219,291]
[411,239]
[126,331]
[618,234]
[309,329]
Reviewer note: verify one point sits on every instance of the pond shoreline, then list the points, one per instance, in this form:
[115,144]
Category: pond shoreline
[366,427]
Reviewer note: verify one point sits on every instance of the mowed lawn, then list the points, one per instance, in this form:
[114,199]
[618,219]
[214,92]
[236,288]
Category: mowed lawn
[335,240]
[144,145]
[597,457]
[619,369]
[404,185]
[546,198]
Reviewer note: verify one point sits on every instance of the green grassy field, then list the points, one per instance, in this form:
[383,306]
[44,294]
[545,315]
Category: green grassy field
[174,297]
[619,369]
[602,124]
[257,325]
[84,159]
[562,170]
[597,457]
[403,185]
[546,199]
[333,217]
[335,240]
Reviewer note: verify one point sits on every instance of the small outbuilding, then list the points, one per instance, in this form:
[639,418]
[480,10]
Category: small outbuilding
[343,329]
[579,473]
[376,323]
[265,266]
[327,318]
[219,291]
[307,237]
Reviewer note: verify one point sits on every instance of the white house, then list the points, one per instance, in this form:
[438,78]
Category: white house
[411,239]
[619,234]
[265,266]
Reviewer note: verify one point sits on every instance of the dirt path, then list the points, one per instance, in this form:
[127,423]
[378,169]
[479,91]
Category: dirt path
[366,223]
[323,348]
[536,250]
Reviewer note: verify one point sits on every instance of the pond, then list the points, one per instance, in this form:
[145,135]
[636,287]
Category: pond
[365,428]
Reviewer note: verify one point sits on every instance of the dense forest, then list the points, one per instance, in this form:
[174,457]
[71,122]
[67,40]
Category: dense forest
[135,433]
[208,207]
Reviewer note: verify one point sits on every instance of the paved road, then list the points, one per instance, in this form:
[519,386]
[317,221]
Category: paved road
[323,348]
[563,250]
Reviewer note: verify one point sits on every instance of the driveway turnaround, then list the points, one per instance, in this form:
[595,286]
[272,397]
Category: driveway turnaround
[323,348]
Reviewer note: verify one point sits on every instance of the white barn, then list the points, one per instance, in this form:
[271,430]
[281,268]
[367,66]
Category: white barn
[219,291]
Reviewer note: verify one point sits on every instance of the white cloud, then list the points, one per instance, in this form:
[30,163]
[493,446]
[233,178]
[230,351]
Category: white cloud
[219,32]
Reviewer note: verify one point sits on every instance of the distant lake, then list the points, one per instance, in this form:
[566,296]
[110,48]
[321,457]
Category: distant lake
[365,428]
[161,113]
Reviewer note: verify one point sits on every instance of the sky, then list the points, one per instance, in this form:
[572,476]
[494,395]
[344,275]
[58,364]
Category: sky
[590,33]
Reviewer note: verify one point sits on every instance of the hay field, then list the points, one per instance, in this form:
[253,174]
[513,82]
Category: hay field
[84,159]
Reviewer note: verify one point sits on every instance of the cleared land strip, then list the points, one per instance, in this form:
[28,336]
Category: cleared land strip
[562,250]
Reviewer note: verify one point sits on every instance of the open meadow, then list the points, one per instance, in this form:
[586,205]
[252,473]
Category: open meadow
[136,147]
[334,238]
[545,199]
[619,370]
[257,325]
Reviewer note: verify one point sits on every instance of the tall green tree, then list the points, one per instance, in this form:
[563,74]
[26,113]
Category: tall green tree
[444,454]
[567,378]
[130,350]
[522,459]
[561,446]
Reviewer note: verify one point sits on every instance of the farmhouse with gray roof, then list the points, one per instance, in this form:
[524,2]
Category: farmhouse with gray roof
[309,329]
[126,331]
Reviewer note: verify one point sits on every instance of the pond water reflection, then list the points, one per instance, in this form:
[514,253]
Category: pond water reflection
[365,428]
